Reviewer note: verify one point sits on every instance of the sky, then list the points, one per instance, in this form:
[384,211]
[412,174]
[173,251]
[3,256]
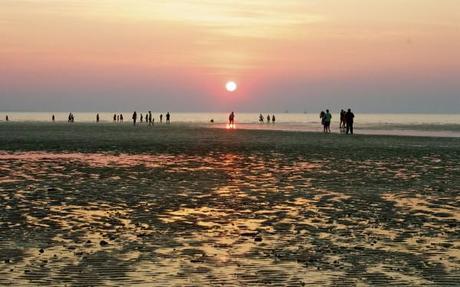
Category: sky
[387,56]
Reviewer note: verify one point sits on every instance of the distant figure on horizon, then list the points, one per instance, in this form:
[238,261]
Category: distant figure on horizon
[327,122]
[168,118]
[134,118]
[261,119]
[161,118]
[53,118]
[231,119]
[121,117]
[268,119]
[7,118]
[71,118]
[150,118]
[118,118]
[322,116]
[114,118]
[97,118]
[273,119]
[142,118]
[349,117]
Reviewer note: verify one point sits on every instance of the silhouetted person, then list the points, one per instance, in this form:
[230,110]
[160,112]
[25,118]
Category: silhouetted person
[142,118]
[261,119]
[231,119]
[114,117]
[71,118]
[349,117]
[161,118]
[168,118]
[342,120]
[7,118]
[118,118]
[322,116]
[150,118]
[327,121]
[273,119]
[121,117]
[53,118]
[268,119]
[97,118]
[134,118]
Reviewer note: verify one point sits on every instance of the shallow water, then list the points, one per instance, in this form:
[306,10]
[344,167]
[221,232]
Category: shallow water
[434,125]
[251,217]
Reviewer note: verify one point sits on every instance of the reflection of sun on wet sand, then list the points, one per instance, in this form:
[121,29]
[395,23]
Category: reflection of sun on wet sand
[177,205]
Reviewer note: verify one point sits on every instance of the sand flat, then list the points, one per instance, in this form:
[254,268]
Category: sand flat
[89,204]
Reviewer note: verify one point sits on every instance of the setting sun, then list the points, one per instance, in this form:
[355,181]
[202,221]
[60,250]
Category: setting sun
[231,86]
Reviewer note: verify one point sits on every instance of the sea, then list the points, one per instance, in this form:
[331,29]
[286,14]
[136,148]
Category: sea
[431,125]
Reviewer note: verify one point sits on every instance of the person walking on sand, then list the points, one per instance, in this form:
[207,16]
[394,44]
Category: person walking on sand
[161,118]
[327,121]
[150,118]
[97,118]
[134,118]
[349,117]
[53,118]
[142,118]
[121,117]
[7,118]
[268,119]
[168,118]
[273,119]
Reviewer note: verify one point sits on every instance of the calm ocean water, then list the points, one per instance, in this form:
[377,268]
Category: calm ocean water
[445,125]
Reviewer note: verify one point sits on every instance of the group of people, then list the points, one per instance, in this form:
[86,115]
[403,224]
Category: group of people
[149,118]
[346,121]
[272,119]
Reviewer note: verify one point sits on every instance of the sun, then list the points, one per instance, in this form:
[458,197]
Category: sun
[231,86]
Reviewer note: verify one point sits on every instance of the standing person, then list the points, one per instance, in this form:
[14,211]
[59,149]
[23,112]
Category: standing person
[97,118]
[322,116]
[7,118]
[261,119]
[168,118]
[114,117]
[53,118]
[134,118]
[327,121]
[150,118]
[121,117]
[231,119]
[142,118]
[161,118]
[273,119]
[268,119]
[342,120]
[118,118]
[349,117]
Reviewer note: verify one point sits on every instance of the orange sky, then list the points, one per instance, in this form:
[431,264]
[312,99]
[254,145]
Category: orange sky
[154,46]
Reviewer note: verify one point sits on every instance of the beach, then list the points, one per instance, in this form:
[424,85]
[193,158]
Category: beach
[90,204]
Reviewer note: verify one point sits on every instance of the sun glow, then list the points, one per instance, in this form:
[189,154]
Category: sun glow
[231,86]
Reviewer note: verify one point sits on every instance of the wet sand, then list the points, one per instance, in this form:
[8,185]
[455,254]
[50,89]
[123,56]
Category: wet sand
[95,205]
